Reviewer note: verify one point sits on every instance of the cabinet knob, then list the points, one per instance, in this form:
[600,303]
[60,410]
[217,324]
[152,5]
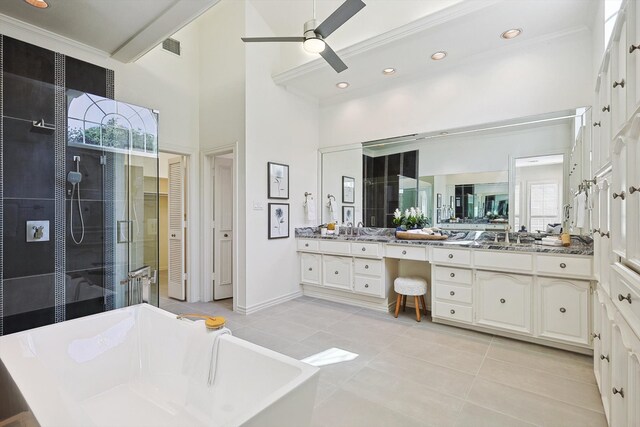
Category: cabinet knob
[502,300]
[599,124]
[622,298]
[306,245]
[404,252]
[604,234]
[366,285]
[606,108]
[452,274]
[310,269]
[621,195]
[336,272]
[563,310]
[226,235]
[364,249]
[366,267]
[596,231]
[450,256]
[594,335]
[563,265]
[620,83]
[616,391]
[633,189]
[603,357]
[452,311]
[452,293]
[634,47]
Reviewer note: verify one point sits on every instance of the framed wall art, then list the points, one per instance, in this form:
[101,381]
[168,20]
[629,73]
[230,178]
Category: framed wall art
[278,176]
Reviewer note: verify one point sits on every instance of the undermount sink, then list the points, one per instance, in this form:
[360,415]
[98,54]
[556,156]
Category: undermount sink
[458,242]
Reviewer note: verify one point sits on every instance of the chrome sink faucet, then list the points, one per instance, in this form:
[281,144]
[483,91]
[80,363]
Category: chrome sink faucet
[350,228]
[506,233]
[360,224]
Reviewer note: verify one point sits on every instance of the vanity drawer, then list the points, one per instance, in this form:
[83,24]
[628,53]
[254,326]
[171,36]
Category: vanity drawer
[369,286]
[453,293]
[625,293]
[452,274]
[451,256]
[308,245]
[366,249]
[368,267]
[417,253]
[503,261]
[457,312]
[328,246]
[565,266]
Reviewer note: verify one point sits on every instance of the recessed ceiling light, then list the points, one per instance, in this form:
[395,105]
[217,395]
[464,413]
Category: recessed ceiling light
[439,55]
[342,85]
[40,4]
[511,34]
[388,71]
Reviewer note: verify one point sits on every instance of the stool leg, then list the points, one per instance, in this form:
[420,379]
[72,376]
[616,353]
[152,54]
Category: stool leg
[398,302]
[417,303]
[424,304]
[404,303]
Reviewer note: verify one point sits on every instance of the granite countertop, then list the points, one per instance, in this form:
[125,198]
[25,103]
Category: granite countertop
[580,245]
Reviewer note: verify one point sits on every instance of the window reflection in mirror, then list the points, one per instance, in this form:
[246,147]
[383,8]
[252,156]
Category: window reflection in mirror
[538,190]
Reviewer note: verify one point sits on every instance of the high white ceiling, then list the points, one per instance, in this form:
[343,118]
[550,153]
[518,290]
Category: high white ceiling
[124,29]
[404,33]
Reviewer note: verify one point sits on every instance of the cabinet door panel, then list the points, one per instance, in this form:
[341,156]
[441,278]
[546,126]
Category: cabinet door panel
[619,195]
[634,389]
[605,118]
[619,390]
[633,197]
[605,357]
[505,301]
[310,269]
[336,272]
[597,339]
[563,309]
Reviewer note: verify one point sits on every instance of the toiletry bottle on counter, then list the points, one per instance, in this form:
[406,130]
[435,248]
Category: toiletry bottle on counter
[566,239]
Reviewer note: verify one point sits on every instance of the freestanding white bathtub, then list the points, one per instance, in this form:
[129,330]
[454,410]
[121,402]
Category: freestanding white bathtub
[140,366]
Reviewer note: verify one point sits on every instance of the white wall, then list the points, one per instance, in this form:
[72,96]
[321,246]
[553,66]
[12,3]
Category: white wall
[335,165]
[283,128]
[539,78]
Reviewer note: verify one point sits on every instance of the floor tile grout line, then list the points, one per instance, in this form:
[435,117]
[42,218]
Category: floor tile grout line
[475,377]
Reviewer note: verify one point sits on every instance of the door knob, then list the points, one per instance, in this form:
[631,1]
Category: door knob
[620,83]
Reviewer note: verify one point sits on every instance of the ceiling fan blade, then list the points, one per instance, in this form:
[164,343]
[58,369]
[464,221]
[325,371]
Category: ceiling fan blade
[339,17]
[333,59]
[272,39]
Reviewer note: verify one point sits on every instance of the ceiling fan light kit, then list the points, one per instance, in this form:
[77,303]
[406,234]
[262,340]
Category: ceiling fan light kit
[313,40]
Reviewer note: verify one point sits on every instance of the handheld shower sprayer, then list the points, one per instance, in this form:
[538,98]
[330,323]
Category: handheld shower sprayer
[74,178]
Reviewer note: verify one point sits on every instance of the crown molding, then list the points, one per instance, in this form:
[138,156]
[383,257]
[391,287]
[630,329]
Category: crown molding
[13,27]
[419,25]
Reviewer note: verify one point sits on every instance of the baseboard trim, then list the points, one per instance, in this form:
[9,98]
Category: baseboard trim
[269,303]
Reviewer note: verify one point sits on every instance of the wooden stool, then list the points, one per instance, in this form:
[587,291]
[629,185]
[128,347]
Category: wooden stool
[413,286]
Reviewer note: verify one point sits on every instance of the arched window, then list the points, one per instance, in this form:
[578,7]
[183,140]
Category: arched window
[94,121]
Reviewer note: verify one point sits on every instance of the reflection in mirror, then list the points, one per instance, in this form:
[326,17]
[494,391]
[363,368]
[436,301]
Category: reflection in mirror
[459,177]
[538,190]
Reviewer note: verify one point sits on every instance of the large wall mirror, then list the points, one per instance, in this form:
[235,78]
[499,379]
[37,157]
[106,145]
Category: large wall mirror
[517,173]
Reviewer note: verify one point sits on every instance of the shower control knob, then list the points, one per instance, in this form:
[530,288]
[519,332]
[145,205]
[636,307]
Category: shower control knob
[38,232]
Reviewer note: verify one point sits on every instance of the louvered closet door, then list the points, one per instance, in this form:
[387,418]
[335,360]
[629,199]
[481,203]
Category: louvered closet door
[176,283]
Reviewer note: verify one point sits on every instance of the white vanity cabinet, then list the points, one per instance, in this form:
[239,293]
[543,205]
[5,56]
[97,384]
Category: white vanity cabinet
[452,293]
[619,378]
[504,300]
[563,309]
[632,200]
[602,125]
[619,80]
[633,56]
[352,272]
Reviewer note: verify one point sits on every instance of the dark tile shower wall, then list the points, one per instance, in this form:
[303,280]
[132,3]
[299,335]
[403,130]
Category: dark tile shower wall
[28,283]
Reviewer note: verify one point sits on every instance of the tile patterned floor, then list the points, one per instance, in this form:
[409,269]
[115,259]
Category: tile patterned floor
[420,374]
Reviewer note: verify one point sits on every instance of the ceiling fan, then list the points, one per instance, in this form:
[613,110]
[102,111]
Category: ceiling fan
[314,36]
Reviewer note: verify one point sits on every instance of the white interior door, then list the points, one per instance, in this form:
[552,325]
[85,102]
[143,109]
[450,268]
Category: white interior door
[223,229]
[176,283]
